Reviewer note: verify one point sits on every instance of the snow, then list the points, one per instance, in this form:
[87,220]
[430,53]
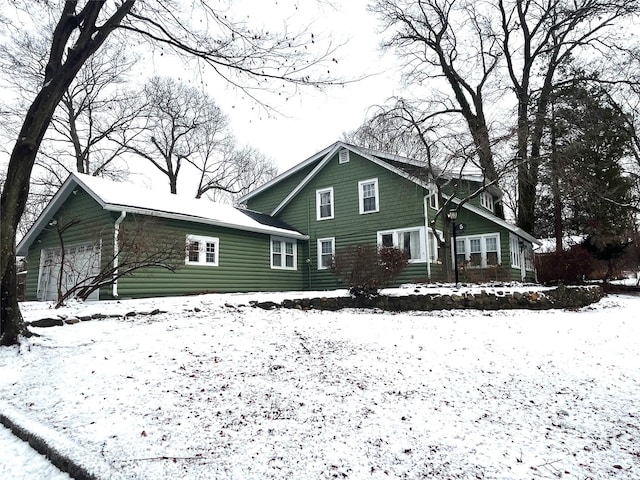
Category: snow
[214,388]
[130,197]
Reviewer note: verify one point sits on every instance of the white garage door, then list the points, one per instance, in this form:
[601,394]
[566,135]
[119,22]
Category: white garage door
[81,264]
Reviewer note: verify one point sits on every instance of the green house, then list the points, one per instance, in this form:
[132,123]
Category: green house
[130,242]
[94,230]
[346,195]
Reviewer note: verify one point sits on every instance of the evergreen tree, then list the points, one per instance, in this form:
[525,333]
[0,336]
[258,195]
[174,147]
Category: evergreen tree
[587,187]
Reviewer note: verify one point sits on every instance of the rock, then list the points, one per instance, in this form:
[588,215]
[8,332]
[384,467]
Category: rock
[47,322]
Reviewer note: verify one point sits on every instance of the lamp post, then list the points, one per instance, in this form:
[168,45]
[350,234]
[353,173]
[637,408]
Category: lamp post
[453,215]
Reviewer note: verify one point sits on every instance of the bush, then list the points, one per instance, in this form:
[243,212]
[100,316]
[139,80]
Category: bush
[365,268]
[570,266]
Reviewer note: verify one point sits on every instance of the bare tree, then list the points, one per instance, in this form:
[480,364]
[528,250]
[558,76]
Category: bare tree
[231,172]
[434,36]
[245,57]
[174,119]
[93,107]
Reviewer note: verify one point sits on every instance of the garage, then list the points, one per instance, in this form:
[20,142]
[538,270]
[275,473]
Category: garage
[81,264]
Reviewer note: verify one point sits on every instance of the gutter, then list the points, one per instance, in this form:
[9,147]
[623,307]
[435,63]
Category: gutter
[425,204]
[116,252]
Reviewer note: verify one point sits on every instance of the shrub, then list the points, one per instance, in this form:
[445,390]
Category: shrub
[568,266]
[365,268]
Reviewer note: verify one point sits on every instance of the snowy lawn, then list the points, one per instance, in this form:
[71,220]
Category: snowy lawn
[216,389]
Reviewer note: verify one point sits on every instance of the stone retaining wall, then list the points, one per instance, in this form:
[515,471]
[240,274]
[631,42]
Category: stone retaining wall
[560,297]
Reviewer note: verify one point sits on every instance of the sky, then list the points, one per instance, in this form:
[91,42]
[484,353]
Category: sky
[312,119]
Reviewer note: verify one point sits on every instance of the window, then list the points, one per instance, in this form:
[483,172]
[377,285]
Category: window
[519,247]
[283,253]
[324,203]
[411,240]
[202,251]
[460,251]
[475,253]
[486,200]
[434,254]
[326,251]
[514,246]
[344,156]
[432,195]
[479,251]
[491,245]
[368,195]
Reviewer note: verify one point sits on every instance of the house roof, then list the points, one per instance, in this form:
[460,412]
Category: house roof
[130,198]
[402,166]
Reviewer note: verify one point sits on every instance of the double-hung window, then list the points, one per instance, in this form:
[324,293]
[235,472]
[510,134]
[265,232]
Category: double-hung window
[326,251]
[369,199]
[283,253]
[324,203]
[432,196]
[434,254]
[202,250]
[486,200]
[479,251]
[410,240]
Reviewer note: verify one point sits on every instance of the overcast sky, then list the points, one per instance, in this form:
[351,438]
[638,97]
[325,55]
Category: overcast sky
[312,120]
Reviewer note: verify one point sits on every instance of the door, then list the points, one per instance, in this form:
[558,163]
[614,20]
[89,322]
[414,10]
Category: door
[81,265]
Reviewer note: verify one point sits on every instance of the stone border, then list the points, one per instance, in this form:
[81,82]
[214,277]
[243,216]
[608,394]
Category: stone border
[560,297]
[64,454]
[64,320]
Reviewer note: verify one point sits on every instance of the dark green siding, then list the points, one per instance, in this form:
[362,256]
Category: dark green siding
[401,206]
[244,265]
[93,224]
[269,199]
[244,257]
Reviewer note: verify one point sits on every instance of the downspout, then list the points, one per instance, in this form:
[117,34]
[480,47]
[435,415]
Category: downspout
[426,234]
[116,252]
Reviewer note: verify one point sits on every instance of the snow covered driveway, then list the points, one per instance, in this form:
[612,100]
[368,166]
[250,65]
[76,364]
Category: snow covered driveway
[232,392]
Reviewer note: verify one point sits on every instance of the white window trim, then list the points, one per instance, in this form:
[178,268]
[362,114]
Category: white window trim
[202,251]
[483,248]
[319,248]
[361,195]
[432,196]
[514,246]
[434,247]
[487,201]
[283,241]
[319,192]
[343,156]
[396,233]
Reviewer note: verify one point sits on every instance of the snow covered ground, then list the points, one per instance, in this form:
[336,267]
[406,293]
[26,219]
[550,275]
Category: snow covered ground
[217,389]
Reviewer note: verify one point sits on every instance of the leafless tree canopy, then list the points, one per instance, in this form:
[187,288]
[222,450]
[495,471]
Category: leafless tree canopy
[478,64]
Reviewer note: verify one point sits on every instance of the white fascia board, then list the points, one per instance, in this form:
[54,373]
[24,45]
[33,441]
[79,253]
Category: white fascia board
[489,216]
[332,151]
[285,174]
[205,221]
[391,168]
[47,214]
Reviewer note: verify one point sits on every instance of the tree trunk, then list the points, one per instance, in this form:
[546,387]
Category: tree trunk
[59,73]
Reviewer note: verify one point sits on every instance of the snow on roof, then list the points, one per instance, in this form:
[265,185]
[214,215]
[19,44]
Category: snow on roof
[131,198]
[126,196]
